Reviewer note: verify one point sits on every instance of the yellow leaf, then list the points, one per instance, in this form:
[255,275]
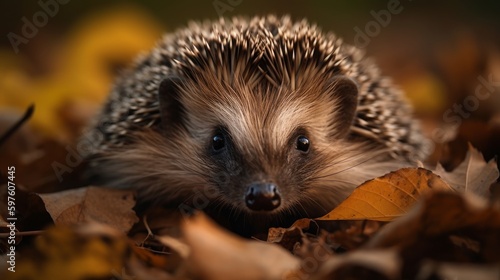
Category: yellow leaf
[387,197]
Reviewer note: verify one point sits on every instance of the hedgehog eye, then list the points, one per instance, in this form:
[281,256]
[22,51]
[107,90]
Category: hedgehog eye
[218,142]
[303,143]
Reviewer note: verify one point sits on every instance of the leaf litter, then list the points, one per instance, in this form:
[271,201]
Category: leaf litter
[408,223]
[413,223]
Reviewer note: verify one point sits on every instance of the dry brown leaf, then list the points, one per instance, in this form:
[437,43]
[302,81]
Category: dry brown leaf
[474,174]
[218,254]
[429,231]
[108,206]
[288,237]
[443,213]
[442,226]
[387,197]
[355,235]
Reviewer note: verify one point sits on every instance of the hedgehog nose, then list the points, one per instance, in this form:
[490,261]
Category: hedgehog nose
[262,197]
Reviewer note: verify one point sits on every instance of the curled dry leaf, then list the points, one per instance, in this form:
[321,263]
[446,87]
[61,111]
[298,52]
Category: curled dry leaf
[288,237]
[218,254]
[474,174]
[444,226]
[108,206]
[445,213]
[354,235]
[387,197]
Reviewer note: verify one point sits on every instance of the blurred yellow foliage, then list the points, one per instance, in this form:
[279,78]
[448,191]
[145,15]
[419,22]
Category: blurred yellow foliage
[86,65]
[60,253]
[426,93]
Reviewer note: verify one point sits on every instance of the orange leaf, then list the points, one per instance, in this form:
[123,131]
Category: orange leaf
[387,197]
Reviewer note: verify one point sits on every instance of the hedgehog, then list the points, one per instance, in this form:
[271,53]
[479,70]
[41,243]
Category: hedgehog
[256,121]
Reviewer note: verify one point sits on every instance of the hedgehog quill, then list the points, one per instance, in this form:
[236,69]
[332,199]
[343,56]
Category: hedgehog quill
[276,119]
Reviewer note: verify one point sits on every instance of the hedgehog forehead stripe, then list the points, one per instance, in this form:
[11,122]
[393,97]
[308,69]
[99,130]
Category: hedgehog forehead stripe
[275,51]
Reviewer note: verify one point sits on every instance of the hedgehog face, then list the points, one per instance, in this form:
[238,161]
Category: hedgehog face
[257,115]
[264,145]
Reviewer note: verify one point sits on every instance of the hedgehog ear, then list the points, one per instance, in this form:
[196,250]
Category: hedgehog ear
[345,90]
[169,100]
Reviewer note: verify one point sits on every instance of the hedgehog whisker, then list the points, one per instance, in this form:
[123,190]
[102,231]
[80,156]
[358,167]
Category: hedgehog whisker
[312,200]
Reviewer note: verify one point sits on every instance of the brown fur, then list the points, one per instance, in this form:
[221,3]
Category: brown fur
[263,82]
[173,166]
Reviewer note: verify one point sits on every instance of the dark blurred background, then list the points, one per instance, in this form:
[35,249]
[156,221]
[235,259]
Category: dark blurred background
[63,56]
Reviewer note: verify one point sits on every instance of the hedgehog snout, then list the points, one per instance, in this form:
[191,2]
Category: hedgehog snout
[262,196]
